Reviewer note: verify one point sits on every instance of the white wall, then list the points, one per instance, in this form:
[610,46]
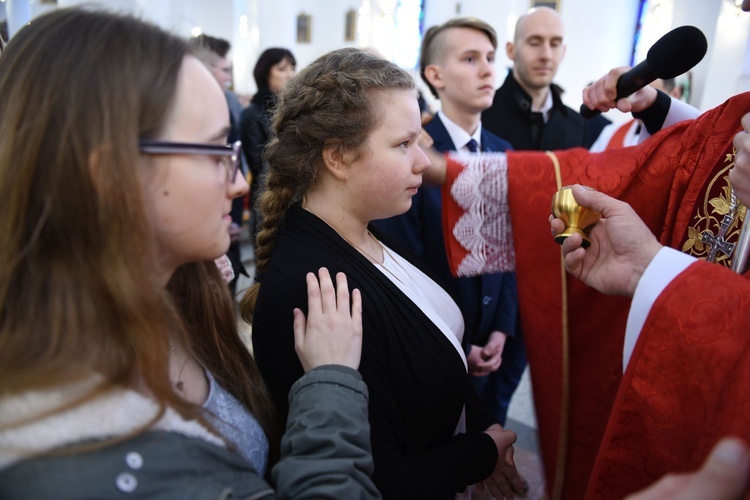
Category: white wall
[598,34]
[722,73]
[594,32]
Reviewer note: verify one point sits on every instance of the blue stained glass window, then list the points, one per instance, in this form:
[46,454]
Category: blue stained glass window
[409,20]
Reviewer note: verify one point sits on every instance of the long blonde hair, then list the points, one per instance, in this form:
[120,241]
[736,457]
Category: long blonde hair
[78,89]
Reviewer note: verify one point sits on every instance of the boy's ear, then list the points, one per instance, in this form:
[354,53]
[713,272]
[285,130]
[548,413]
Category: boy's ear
[336,161]
[433,75]
[510,51]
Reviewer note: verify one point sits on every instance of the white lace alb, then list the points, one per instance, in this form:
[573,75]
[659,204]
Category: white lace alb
[484,229]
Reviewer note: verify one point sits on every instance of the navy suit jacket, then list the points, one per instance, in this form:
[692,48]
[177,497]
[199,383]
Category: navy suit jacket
[488,302]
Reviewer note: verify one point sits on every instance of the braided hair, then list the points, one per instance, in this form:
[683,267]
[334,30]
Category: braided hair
[328,104]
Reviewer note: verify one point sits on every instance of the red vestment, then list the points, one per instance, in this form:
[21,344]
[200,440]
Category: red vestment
[676,398]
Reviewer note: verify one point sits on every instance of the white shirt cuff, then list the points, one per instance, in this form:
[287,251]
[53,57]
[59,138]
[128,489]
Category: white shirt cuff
[678,112]
[663,268]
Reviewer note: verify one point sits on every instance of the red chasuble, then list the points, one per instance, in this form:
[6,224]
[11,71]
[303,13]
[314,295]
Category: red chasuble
[685,386]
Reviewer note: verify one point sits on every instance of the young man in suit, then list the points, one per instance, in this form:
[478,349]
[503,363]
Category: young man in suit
[457,61]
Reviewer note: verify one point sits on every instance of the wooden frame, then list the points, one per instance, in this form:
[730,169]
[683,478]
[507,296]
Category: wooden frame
[304,28]
[552,4]
[350,25]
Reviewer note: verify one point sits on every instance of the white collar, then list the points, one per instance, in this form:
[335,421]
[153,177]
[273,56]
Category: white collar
[458,135]
[547,105]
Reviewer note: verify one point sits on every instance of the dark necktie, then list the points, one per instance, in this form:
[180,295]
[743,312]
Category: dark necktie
[472,145]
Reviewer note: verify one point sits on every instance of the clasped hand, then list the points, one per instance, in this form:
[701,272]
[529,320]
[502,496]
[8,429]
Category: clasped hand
[485,360]
[505,481]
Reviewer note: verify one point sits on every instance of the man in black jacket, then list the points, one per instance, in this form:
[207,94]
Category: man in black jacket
[527,110]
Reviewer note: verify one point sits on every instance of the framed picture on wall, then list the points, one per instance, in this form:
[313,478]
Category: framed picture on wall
[552,4]
[304,27]
[350,29]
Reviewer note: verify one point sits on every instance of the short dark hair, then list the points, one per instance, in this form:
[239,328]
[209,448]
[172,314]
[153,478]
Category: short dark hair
[267,60]
[218,46]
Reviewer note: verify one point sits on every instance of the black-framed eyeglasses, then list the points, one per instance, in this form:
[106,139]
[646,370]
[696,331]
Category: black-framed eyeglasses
[229,154]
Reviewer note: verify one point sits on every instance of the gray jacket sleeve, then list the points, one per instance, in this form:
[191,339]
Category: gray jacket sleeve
[325,451]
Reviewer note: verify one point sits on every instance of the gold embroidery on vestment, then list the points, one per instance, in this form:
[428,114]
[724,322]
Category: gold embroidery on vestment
[710,214]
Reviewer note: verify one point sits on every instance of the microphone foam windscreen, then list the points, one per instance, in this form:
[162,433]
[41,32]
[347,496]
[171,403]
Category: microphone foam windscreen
[677,52]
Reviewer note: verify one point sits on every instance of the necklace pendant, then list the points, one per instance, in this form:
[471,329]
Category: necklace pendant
[179,385]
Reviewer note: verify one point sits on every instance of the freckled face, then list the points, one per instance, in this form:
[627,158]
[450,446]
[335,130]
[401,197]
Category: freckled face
[389,172]
[188,197]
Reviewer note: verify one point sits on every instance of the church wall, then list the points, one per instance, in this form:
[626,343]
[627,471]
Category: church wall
[724,75]
[598,34]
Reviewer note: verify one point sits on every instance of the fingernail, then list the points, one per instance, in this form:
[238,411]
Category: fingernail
[731,452]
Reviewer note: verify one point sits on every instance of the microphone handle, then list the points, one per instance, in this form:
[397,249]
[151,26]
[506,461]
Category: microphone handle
[629,83]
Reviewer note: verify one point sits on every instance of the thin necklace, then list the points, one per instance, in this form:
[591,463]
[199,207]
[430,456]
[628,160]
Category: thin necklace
[395,264]
[369,257]
[356,247]
[179,384]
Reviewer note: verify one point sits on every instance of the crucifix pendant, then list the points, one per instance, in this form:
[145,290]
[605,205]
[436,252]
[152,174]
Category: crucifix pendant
[718,243]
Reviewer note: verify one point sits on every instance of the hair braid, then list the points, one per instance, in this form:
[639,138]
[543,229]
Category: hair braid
[328,104]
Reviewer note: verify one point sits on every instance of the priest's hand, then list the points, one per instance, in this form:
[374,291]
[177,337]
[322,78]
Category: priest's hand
[621,245]
[332,332]
[739,176]
[724,476]
[601,94]
[505,482]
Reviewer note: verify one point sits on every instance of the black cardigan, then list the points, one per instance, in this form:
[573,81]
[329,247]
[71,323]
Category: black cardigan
[417,381]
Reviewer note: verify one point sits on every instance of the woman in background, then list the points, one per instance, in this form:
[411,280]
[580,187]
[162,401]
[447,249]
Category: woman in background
[274,68]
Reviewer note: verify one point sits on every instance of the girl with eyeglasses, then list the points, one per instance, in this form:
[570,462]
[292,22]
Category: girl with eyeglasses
[121,368]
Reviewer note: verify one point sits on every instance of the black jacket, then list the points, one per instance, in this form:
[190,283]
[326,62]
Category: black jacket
[511,118]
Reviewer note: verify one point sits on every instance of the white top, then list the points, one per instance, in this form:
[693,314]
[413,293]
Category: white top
[237,425]
[430,297]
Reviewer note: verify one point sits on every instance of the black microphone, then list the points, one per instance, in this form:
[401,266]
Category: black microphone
[672,55]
